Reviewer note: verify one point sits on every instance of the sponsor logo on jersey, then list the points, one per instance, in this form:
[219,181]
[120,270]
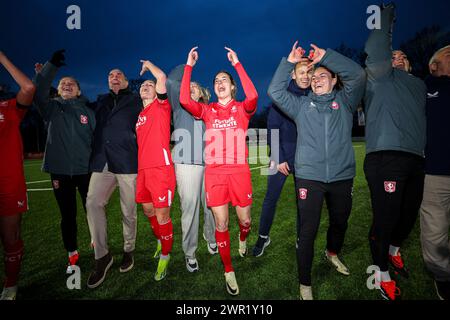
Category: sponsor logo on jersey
[213,110]
[55,184]
[389,186]
[2,117]
[433,95]
[335,105]
[141,121]
[162,199]
[303,193]
[230,123]
[83,119]
[249,196]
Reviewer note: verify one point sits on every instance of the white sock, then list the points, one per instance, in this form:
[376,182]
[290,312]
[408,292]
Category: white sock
[73,253]
[163,257]
[264,237]
[393,251]
[382,276]
[159,241]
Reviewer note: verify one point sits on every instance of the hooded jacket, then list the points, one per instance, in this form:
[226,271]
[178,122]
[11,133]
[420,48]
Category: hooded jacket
[324,149]
[70,127]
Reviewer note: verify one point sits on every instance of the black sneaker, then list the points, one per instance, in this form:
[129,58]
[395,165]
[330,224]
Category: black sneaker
[102,266]
[442,289]
[260,245]
[127,262]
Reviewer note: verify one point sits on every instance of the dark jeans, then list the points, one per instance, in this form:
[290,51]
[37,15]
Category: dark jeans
[310,196]
[65,188]
[275,185]
[395,181]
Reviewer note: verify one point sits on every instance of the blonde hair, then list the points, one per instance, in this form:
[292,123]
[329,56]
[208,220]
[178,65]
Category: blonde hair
[433,58]
[205,95]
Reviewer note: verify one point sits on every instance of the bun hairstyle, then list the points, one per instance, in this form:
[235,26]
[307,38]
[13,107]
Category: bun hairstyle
[233,83]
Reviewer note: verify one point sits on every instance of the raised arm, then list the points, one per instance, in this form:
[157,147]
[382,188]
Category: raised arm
[352,75]
[251,95]
[192,106]
[379,46]
[285,100]
[25,95]
[158,74]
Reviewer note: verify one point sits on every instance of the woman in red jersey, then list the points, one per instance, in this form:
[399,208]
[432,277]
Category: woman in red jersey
[13,192]
[227,174]
[155,184]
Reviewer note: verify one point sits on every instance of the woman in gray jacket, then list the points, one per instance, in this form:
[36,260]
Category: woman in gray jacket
[324,159]
[70,123]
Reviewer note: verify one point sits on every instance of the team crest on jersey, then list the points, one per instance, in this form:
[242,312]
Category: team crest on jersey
[2,117]
[234,109]
[20,204]
[141,121]
[249,196]
[303,193]
[55,184]
[335,105]
[389,186]
[83,119]
[213,110]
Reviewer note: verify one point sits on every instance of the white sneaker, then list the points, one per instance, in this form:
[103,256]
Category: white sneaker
[191,265]
[243,248]
[306,292]
[212,247]
[9,293]
[231,283]
[334,260]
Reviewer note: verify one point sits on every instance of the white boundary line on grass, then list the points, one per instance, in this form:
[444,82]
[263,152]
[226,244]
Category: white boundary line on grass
[42,189]
[40,181]
[266,166]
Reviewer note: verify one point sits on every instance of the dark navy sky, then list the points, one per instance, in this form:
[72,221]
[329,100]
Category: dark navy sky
[120,33]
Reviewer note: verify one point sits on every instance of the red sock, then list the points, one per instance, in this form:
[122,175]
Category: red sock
[155,226]
[166,236]
[245,230]
[13,260]
[223,243]
[331,253]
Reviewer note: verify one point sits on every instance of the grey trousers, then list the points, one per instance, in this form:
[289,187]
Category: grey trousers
[191,188]
[101,187]
[434,226]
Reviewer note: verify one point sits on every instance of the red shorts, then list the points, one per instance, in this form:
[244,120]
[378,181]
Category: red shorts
[13,196]
[223,188]
[156,185]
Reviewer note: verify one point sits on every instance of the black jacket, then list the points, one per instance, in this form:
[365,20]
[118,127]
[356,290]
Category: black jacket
[437,151]
[115,132]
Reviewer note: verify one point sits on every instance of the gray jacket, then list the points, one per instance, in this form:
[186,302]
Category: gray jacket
[188,132]
[324,123]
[71,125]
[394,100]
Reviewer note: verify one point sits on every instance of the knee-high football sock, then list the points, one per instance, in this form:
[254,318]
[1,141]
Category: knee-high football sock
[13,261]
[166,236]
[223,243]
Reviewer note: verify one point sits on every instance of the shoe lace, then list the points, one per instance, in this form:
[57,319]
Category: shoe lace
[390,288]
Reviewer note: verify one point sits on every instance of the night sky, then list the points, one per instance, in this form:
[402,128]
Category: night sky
[120,33]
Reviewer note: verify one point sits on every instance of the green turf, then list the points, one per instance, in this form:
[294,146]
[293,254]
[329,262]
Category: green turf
[271,276]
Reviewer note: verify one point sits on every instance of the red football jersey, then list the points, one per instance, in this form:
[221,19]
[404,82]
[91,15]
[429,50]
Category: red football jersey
[153,135]
[226,149]
[11,159]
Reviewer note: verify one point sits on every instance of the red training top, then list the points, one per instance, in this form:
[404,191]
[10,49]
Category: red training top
[153,135]
[11,159]
[226,149]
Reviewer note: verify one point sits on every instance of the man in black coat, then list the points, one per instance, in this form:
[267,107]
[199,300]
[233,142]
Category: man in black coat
[113,163]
